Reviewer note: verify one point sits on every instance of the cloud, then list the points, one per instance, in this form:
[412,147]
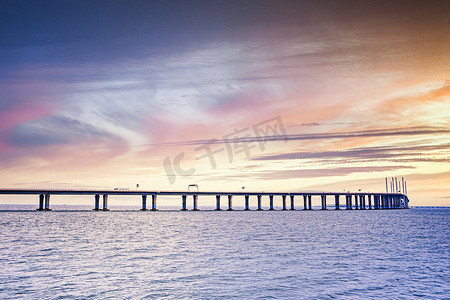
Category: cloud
[55,130]
[274,137]
[365,153]
[305,173]
[325,172]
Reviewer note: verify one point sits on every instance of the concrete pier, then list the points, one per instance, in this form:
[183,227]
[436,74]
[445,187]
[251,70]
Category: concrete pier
[292,202]
[41,202]
[105,202]
[47,202]
[247,202]
[183,202]
[309,202]
[349,202]
[144,202]
[270,202]
[362,201]
[194,204]
[369,199]
[259,202]
[356,201]
[97,202]
[218,202]
[336,202]
[154,202]
[283,197]
[230,202]
[324,201]
[305,202]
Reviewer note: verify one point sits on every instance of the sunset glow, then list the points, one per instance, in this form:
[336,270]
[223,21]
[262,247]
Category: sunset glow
[105,94]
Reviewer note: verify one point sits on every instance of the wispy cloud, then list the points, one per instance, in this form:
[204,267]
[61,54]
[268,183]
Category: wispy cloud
[366,153]
[409,131]
[55,130]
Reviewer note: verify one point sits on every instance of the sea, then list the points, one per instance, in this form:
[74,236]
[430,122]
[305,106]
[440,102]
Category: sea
[76,253]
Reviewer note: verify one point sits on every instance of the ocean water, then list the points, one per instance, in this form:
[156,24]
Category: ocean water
[392,254]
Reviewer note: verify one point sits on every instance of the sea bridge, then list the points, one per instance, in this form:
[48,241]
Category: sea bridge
[357,200]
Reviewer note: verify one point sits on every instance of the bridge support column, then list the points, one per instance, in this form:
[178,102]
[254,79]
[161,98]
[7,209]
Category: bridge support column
[292,202]
[362,200]
[270,202]
[194,200]
[97,202]
[41,202]
[105,202]
[305,202]
[349,202]
[247,204]
[183,202]
[369,198]
[144,202]
[324,201]
[284,201]
[218,202]
[154,196]
[47,202]
[336,202]
[259,202]
[356,202]
[309,202]
[230,202]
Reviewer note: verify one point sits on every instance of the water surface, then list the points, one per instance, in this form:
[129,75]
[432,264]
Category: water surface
[393,254]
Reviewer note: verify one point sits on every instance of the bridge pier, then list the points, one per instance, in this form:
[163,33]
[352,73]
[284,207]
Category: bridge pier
[218,202]
[230,202]
[362,200]
[97,202]
[47,202]
[284,201]
[41,202]
[247,204]
[154,202]
[324,201]
[369,199]
[259,202]
[292,202]
[183,202]
[309,202]
[144,202]
[105,202]
[194,204]
[349,202]
[336,202]
[305,202]
[356,202]
[270,202]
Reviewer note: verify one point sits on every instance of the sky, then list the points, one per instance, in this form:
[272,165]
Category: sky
[258,95]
